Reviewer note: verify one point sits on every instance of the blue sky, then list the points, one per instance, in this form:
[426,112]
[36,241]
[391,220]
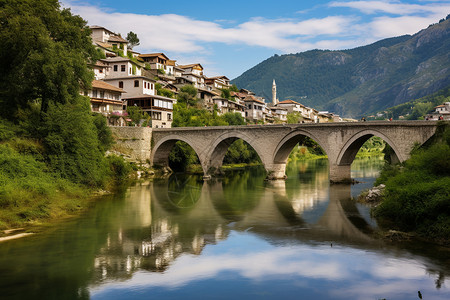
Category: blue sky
[229,37]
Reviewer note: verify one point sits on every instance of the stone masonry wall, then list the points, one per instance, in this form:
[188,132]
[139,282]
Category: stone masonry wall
[134,142]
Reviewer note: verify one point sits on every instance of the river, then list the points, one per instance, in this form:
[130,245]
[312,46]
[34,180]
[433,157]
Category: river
[236,237]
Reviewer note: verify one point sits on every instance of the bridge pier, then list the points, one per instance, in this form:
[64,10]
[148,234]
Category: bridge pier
[276,171]
[340,173]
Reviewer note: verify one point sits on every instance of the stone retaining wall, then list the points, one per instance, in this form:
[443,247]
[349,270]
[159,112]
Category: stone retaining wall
[134,142]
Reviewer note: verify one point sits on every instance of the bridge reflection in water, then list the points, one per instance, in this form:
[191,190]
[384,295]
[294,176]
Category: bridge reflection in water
[184,214]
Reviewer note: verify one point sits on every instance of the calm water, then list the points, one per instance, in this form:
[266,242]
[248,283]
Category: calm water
[238,237]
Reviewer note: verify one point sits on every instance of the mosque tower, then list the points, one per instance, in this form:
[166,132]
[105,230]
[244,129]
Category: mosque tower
[274,93]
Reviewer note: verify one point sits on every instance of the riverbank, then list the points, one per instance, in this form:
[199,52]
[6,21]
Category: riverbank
[415,200]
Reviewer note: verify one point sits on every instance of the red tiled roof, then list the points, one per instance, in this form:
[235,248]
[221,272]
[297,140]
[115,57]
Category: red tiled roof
[189,66]
[289,102]
[251,98]
[155,55]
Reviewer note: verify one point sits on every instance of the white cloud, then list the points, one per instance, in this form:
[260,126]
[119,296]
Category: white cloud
[185,37]
[181,34]
[397,8]
[383,27]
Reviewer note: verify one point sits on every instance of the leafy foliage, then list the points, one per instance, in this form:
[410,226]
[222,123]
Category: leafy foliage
[72,145]
[294,117]
[52,147]
[418,193]
[43,55]
[418,108]
[132,39]
[188,96]
[138,116]
[164,92]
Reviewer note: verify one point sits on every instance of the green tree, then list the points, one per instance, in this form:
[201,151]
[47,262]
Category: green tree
[43,55]
[163,92]
[188,95]
[132,39]
[137,115]
[233,118]
[225,93]
[72,145]
[294,117]
[234,88]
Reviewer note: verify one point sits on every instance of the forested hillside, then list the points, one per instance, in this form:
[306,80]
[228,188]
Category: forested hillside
[362,80]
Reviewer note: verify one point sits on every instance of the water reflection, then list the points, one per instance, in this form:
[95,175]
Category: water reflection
[187,238]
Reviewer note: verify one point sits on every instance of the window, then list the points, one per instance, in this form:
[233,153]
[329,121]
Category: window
[156,115]
[102,94]
[136,83]
[169,117]
[94,93]
[115,68]
[100,71]
[121,84]
[122,68]
[151,86]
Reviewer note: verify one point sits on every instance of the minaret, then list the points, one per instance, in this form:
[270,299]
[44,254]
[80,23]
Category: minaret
[274,93]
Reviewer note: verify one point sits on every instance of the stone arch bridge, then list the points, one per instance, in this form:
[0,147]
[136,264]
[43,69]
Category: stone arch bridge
[273,143]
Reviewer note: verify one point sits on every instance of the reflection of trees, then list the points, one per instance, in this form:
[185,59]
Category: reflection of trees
[368,167]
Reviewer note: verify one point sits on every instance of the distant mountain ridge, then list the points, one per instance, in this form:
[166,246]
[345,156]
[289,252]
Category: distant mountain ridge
[362,80]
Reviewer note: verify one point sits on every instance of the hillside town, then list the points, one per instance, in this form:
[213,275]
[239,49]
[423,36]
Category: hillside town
[151,81]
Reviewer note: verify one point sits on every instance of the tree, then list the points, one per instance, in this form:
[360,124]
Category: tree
[132,39]
[43,55]
[225,93]
[136,114]
[294,118]
[188,95]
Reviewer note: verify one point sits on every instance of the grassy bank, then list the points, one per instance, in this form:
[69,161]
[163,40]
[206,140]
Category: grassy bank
[417,194]
[33,188]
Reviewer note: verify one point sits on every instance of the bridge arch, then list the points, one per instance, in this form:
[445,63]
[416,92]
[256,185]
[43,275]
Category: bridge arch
[219,148]
[354,143]
[277,166]
[288,143]
[161,151]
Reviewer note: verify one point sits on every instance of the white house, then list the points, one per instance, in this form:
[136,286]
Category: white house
[254,108]
[135,86]
[194,73]
[121,67]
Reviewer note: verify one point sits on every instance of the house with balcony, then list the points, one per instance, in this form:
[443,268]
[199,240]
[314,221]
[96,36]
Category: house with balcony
[218,82]
[107,100]
[279,113]
[141,91]
[134,85]
[162,66]
[158,107]
[254,108]
[193,73]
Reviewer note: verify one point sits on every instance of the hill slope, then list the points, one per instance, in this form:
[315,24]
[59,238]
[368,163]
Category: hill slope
[361,80]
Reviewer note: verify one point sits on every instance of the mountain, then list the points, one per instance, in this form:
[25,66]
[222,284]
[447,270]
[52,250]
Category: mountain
[358,81]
